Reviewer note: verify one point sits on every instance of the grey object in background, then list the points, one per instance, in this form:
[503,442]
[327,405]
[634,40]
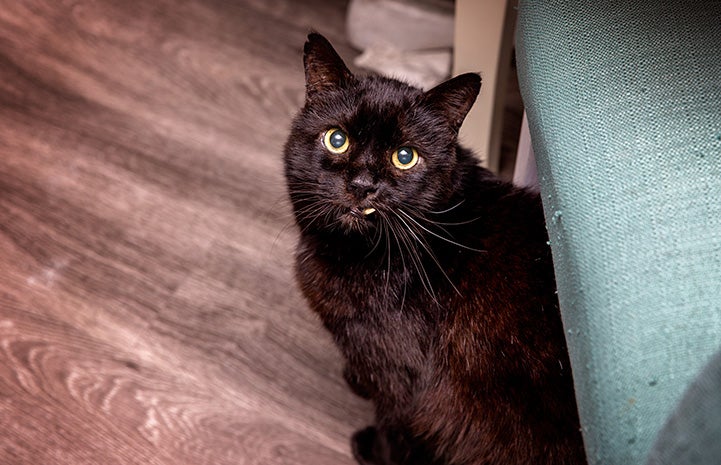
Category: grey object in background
[407,40]
[401,24]
[422,68]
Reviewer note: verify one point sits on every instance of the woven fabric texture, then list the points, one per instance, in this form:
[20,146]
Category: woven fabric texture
[624,105]
[692,435]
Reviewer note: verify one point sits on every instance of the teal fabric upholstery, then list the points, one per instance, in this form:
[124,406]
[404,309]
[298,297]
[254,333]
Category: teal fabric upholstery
[692,435]
[624,105]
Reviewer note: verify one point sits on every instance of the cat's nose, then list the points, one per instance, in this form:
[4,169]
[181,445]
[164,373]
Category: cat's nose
[362,185]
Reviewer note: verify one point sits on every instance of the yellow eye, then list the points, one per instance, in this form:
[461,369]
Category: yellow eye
[336,140]
[405,158]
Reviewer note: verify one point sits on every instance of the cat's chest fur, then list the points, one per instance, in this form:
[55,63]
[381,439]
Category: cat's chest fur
[376,317]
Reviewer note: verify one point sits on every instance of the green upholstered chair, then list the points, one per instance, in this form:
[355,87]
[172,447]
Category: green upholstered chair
[624,106]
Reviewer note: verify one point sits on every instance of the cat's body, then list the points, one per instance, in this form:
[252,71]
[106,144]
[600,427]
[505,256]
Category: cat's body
[433,276]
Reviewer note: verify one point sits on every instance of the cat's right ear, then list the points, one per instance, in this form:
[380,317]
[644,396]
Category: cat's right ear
[324,69]
[454,98]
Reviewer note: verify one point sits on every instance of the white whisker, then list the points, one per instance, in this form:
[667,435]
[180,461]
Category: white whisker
[446,210]
[417,259]
[430,253]
[450,241]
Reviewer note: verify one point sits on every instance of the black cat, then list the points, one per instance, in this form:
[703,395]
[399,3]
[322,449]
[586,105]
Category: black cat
[433,276]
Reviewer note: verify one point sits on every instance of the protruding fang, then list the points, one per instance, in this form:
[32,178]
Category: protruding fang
[368,211]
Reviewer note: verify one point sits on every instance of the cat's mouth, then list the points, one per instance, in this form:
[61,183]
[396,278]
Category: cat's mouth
[361,213]
[358,219]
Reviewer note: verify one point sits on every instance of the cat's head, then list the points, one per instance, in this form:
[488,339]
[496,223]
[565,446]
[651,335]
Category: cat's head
[364,150]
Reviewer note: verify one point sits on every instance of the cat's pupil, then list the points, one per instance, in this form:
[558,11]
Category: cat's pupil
[405,155]
[337,138]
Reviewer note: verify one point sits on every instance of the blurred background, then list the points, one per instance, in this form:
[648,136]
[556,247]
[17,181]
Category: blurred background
[148,310]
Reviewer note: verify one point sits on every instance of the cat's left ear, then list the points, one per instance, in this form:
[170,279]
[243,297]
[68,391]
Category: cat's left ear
[454,98]
[324,69]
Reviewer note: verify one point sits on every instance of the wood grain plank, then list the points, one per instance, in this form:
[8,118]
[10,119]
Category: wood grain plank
[147,307]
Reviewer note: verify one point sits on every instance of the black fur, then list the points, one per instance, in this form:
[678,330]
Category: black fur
[441,300]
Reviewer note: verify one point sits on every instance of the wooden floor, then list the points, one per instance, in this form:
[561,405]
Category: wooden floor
[148,313]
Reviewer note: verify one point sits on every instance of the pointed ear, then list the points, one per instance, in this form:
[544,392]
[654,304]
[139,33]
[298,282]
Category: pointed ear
[324,69]
[454,98]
